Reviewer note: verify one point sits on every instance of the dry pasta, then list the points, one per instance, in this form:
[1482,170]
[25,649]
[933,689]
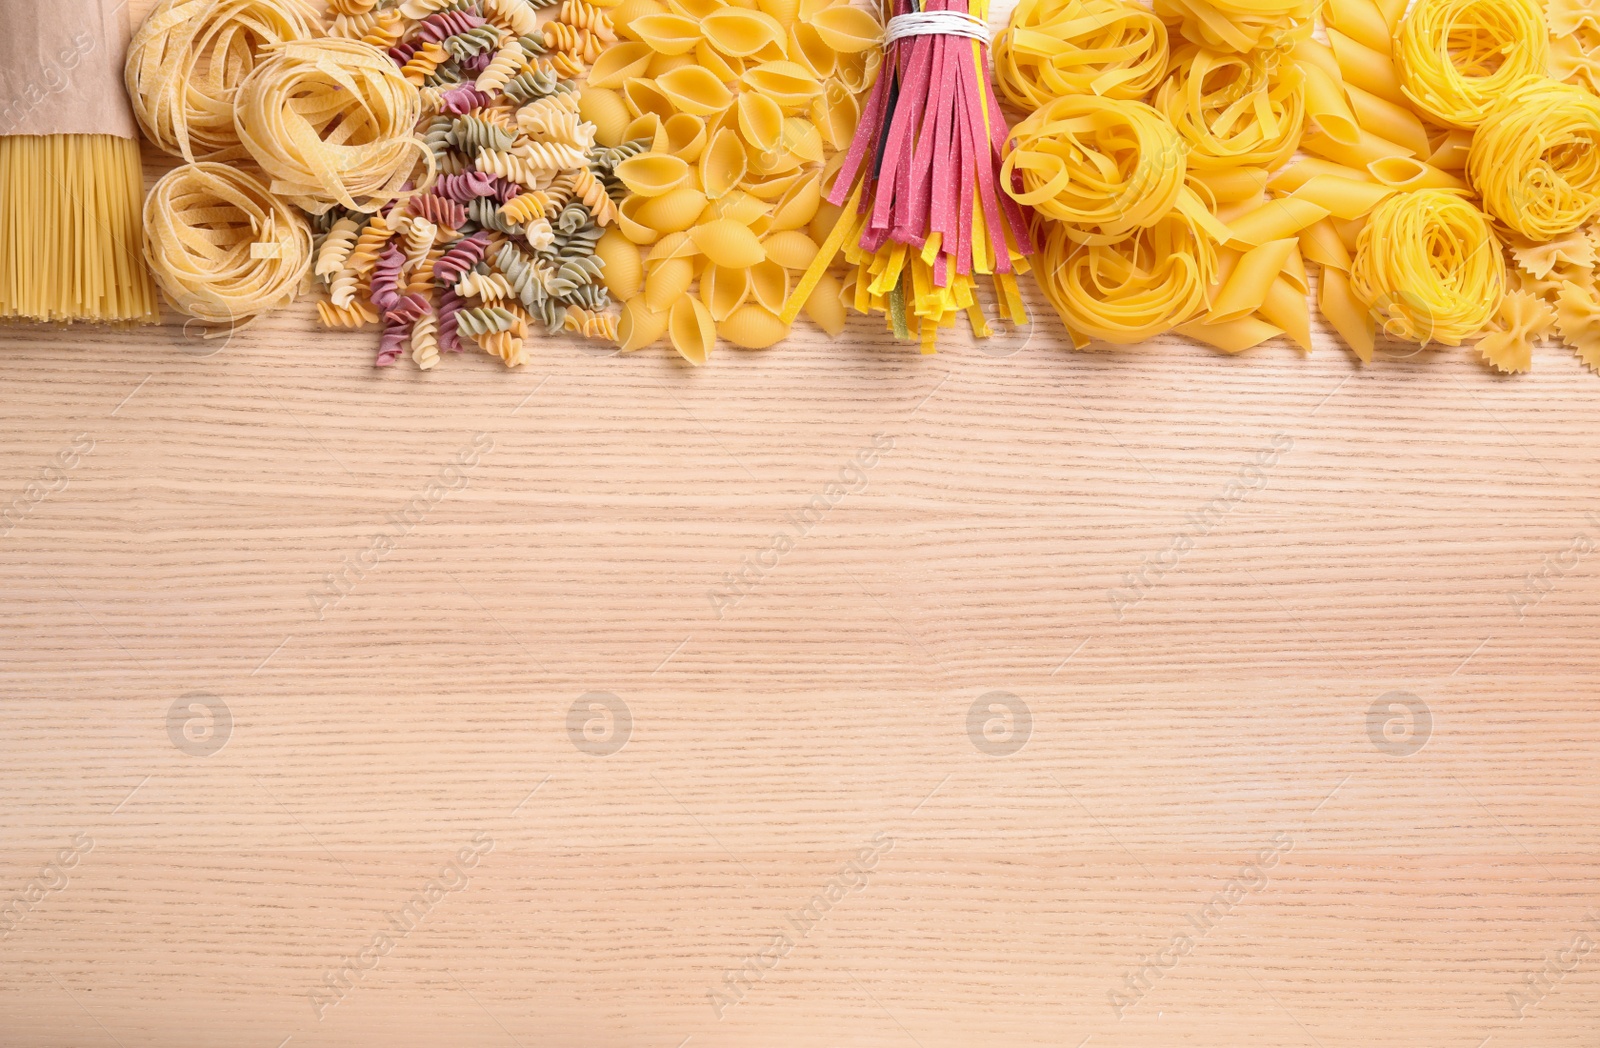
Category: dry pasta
[221,247]
[1455,57]
[1535,159]
[1052,48]
[187,60]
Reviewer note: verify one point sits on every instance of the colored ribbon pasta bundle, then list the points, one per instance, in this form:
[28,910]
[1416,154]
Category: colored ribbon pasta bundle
[925,215]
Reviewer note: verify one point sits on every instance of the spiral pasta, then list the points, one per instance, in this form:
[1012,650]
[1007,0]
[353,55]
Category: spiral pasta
[1429,264]
[1535,159]
[1455,57]
[221,247]
[332,122]
[1052,48]
[1104,167]
[188,59]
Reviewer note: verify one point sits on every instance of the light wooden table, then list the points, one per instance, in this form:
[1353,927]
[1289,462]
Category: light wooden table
[1071,552]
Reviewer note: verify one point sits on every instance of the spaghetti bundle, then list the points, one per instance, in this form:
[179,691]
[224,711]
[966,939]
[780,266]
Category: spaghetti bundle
[222,247]
[924,214]
[187,60]
[1429,262]
[1053,48]
[1455,57]
[1535,159]
[331,121]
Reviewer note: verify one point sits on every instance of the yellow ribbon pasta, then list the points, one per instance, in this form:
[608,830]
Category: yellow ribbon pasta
[332,122]
[187,60]
[1104,167]
[1052,48]
[221,247]
[1428,263]
[1231,110]
[1535,159]
[1130,290]
[1239,25]
[1455,57]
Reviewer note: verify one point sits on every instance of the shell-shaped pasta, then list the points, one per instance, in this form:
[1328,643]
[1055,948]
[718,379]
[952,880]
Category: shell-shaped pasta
[686,136]
[695,9]
[652,174]
[722,165]
[772,187]
[667,63]
[769,284]
[822,224]
[693,331]
[760,120]
[798,206]
[848,29]
[790,249]
[692,89]
[752,327]
[667,33]
[789,84]
[643,96]
[672,211]
[809,9]
[640,325]
[720,66]
[631,227]
[673,245]
[649,127]
[802,139]
[807,47]
[837,114]
[859,71]
[624,13]
[735,31]
[724,290]
[620,62]
[727,243]
[741,207]
[825,307]
[668,281]
[608,113]
[785,11]
[623,273]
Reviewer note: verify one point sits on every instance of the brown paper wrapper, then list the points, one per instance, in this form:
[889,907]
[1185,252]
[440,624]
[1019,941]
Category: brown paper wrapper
[61,68]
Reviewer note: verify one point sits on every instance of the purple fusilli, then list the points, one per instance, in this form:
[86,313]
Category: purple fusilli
[462,256]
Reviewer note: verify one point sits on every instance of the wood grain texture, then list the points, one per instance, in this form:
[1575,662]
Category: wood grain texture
[1414,534]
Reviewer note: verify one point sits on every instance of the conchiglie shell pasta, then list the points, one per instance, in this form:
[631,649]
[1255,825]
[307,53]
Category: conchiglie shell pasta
[825,307]
[739,206]
[722,165]
[662,64]
[644,97]
[848,29]
[667,34]
[623,14]
[667,282]
[720,67]
[789,84]
[798,206]
[693,89]
[620,62]
[807,47]
[859,71]
[741,33]
[686,137]
[649,126]
[606,111]
[791,249]
[727,243]
[752,327]
[653,174]
[724,290]
[627,221]
[809,9]
[785,11]
[836,115]
[760,120]
[695,9]
[623,273]
[673,211]
[640,325]
[673,245]
[802,139]
[769,284]
[692,330]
